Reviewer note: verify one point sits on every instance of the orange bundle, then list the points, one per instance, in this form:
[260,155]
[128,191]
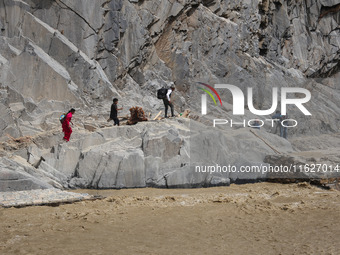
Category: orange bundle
[137,115]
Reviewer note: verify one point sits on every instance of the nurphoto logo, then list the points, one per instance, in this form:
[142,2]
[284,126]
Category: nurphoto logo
[239,103]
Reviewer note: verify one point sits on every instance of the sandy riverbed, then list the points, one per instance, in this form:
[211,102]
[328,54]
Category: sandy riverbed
[263,218]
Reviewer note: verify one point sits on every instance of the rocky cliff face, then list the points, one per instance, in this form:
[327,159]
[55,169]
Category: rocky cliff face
[55,55]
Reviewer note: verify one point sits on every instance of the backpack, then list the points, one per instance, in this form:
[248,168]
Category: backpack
[62,118]
[161,93]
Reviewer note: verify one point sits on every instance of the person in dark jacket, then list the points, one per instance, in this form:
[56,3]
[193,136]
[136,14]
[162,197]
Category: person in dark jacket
[114,112]
[167,102]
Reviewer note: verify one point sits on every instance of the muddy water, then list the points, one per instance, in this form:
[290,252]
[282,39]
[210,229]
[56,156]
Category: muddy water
[261,218]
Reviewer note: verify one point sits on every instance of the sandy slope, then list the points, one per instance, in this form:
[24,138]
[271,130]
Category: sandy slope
[259,218]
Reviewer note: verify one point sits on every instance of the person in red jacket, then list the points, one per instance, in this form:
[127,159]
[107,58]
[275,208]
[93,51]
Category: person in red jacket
[66,125]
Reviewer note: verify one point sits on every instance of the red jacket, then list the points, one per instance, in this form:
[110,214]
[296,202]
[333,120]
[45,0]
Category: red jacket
[66,122]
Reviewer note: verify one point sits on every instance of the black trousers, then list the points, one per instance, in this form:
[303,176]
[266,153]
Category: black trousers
[115,120]
[167,104]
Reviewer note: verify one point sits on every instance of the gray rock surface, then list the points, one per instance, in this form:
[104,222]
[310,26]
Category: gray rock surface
[55,55]
[40,197]
[14,176]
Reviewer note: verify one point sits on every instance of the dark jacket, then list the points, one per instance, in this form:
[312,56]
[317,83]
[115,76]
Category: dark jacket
[113,113]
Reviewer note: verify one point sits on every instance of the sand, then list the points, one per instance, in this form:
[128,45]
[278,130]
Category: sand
[262,218]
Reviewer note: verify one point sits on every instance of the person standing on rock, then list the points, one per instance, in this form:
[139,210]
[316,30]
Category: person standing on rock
[66,125]
[114,112]
[167,102]
[277,126]
[283,129]
[280,118]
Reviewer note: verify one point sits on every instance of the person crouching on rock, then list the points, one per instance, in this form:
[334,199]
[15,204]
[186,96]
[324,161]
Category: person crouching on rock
[66,125]
[167,102]
[114,112]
